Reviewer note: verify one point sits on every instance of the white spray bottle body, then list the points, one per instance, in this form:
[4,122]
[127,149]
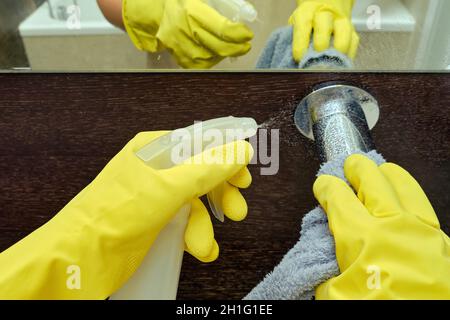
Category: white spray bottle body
[235,10]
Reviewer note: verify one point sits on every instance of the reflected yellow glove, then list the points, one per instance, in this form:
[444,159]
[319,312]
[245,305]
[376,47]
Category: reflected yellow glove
[389,244]
[326,18]
[103,234]
[196,34]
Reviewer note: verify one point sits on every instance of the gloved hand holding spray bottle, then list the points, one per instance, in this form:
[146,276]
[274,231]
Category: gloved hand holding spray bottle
[93,245]
[157,277]
[198,33]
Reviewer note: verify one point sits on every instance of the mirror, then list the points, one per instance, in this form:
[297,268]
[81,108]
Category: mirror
[74,35]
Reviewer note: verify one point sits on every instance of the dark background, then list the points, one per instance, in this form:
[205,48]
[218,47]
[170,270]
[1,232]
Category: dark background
[57,131]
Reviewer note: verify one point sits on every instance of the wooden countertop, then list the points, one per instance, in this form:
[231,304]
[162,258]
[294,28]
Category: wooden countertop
[57,131]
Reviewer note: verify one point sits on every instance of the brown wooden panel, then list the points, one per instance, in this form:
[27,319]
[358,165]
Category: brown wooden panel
[58,130]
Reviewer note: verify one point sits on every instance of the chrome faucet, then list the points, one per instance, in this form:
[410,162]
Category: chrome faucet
[338,118]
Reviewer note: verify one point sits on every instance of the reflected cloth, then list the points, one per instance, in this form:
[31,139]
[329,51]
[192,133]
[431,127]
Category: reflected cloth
[312,260]
[277,54]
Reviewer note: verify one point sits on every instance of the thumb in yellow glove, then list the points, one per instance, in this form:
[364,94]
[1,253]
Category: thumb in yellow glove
[389,244]
[108,228]
[325,18]
[196,34]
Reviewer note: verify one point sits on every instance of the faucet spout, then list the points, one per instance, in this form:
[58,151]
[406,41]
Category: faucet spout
[338,118]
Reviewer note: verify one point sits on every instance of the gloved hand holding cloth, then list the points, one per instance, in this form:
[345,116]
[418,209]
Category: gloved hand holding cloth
[389,244]
[108,228]
[324,19]
[196,34]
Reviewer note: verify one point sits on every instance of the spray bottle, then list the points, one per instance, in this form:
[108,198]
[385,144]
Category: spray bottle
[235,10]
[157,277]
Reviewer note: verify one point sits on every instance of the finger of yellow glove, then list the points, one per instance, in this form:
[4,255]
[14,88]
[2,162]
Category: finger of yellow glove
[323,28]
[347,217]
[242,179]
[342,35]
[220,47]
[192,55]
[411,196]
[212,257]
[346,7]
[197,63]
[190,49]
[142,19]
[234,205]
[202,173]
[199,234]
[354,46]
[302,21]
[342,206]
[187,52]
[371,186]
[217,24]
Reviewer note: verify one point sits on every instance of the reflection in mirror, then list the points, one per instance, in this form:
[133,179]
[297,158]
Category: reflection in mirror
[92,35]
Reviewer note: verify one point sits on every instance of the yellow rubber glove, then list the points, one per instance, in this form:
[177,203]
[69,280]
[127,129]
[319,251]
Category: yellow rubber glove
[103,234]
[389,244]
[196,34]
[326,18]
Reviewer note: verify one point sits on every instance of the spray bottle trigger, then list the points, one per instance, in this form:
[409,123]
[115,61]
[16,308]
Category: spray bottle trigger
[214,200]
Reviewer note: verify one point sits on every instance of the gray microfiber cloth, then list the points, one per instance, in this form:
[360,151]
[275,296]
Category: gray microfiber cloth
[312,260]
[278,55]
